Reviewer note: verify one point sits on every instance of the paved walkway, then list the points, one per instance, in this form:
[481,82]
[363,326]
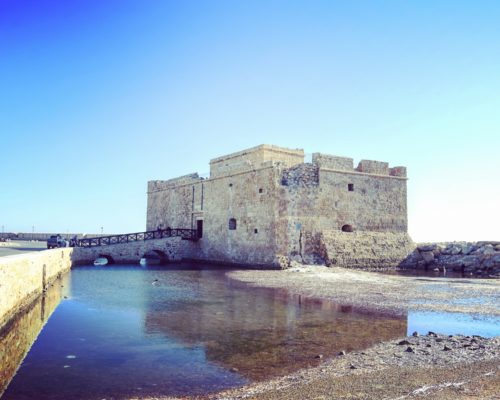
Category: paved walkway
[20,246]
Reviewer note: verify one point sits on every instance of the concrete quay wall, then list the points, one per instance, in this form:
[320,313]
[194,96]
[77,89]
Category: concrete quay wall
[24,277]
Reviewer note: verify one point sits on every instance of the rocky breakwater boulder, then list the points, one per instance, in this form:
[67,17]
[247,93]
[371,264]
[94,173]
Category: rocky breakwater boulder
[477,259]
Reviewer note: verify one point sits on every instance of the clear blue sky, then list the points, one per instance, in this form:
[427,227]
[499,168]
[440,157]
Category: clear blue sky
[98,97]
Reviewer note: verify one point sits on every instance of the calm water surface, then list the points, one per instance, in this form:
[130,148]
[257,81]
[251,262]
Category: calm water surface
[123,331]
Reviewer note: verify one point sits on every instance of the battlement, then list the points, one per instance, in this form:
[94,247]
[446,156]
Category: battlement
[333,162]
[154,186]
[253,158]
[327,161]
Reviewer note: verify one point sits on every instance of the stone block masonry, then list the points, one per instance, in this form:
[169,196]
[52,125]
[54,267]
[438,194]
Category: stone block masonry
[24,277]
[265,207]
[366,249]
[167,249]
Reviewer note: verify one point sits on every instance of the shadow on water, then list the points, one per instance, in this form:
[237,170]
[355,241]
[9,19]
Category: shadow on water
[130,331]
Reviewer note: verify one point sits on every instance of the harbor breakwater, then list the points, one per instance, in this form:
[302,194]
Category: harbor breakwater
[480,259]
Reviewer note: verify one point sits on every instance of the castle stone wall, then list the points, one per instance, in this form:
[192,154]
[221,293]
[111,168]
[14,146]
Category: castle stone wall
[254,158]
[281,205]
[302,175]
[373,167]
[333,162]
[366,249]
[249,198]
[171,204]
[375,203]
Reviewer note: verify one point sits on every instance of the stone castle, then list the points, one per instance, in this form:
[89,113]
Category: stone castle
[265,207]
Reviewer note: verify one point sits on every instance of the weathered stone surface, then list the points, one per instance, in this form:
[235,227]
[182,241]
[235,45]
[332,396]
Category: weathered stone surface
[366,249]
[488,249]
[23,277]
[454,250]
[428,256]
[484,243]
[481,259]
[333,162]
[427,247]
[168,249]
[437,251]
[490,262]
[457,260]
[285,210]
[467,249]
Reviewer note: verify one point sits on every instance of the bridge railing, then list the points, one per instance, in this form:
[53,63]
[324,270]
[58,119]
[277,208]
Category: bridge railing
[186,234]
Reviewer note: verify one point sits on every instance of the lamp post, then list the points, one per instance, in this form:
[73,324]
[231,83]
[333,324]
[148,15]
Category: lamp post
[33,233]
[102,230]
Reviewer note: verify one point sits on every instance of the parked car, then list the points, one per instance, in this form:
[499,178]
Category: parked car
[56,241]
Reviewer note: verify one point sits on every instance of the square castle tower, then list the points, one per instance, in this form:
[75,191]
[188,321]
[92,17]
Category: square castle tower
[265,207]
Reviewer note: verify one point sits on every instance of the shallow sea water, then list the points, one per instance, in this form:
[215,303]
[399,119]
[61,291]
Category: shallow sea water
[121,331]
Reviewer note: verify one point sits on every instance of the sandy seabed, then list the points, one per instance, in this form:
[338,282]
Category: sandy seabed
[382,292]
[431,366]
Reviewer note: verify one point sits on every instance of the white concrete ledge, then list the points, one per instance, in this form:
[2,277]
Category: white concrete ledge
[23,277]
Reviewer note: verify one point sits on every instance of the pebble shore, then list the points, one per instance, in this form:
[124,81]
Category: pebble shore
[432,351]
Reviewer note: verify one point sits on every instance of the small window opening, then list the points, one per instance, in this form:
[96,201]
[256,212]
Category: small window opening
[347,228]
[199,228]
[350,187]
[255,230]
[232,224]
[261,190]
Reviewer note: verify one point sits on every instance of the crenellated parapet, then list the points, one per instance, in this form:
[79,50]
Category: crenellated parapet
[327,161]
[333,162]
[155,186]
[255,158]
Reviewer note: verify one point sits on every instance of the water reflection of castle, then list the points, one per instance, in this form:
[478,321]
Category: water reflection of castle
[263,332]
